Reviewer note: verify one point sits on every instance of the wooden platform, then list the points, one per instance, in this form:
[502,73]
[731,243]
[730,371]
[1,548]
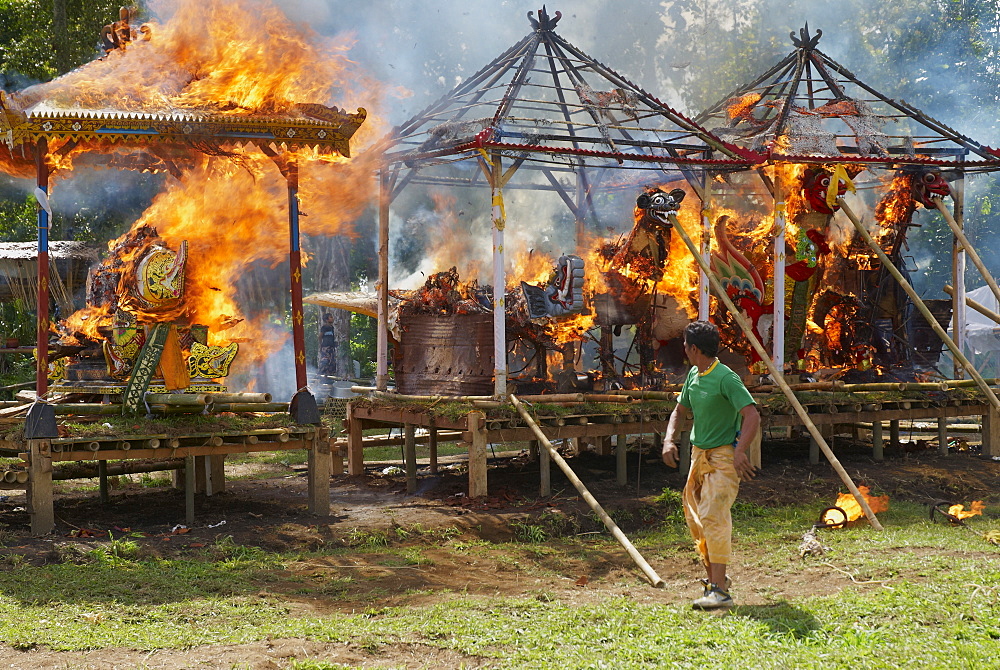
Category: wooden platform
[476,431]
[203,455]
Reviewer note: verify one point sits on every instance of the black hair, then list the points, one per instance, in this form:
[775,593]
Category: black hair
[703,335]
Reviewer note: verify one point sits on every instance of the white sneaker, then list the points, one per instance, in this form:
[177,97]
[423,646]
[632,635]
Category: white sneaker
[714,598]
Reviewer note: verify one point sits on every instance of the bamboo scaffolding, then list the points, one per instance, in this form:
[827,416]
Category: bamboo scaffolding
[956,352]
[978,306]
[976,260]
[651,575]
[777,376]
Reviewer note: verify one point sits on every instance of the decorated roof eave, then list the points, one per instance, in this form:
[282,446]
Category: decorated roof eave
[214,130]
[484,141]
[883,161]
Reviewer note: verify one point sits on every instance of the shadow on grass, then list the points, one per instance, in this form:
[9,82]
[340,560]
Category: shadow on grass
[782,618]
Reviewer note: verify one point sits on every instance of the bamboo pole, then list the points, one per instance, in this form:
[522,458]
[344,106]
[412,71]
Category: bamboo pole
[805,386]
[651,575]
[177,399]
[779,379]
[959,356]
[978,306]
[237,397]
[965,383]
[249,407]
[976,260]
[666,394]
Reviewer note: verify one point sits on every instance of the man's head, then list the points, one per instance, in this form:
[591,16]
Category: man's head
[703,336]
[328,318]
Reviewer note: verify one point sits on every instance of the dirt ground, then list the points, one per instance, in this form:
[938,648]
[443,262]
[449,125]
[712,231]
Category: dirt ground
[271,513]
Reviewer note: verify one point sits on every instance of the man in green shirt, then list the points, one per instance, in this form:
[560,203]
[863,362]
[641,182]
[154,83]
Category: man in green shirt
[725,422]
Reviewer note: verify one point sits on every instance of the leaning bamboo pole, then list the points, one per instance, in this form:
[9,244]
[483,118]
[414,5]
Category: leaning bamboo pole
[978,306]
[897,275]
[651,575]
[973,254]
[778,377]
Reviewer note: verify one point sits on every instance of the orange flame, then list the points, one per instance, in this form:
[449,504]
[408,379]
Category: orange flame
[742,107]
[959,511]
[852,508]
[224,57]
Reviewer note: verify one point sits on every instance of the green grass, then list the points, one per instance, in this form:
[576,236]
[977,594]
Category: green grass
[917,595]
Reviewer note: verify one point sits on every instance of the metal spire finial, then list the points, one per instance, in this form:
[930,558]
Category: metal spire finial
[804,41]
[544,22]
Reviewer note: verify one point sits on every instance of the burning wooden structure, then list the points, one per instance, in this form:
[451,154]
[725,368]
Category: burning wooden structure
[544,116]
[824,131]
[772,163]
[155,302]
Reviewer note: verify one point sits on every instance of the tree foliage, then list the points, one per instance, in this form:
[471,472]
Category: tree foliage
[30,48]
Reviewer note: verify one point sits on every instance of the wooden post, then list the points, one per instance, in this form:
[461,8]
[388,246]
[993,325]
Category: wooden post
[958,276]
[813,451]
[355,444]
[295,269]
[705,248]
[320,462]
[778,282]
[200,474]
[477,455]
[410,457]
[544,471]
[382,286]
[991,433]
[532,450]
[39,493]
[942,431]
[499,279]
[894,434]
[621,459]
[878,448]
[684,452]
[604,445]
[189,486]
[336,456]
[753,451]
[42,311]
[432,446]
[102,481]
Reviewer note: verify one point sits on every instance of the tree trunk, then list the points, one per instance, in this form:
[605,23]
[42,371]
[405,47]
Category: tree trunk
[60,36]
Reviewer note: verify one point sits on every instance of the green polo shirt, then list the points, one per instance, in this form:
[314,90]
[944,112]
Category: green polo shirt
[715,398]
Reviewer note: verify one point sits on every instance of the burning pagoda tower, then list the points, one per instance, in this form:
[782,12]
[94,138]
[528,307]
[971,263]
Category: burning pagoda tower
[543,116]
[821,129]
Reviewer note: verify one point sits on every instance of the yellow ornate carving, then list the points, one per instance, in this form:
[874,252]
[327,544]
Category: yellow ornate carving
[159,280]
[210,362]
[122,348]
